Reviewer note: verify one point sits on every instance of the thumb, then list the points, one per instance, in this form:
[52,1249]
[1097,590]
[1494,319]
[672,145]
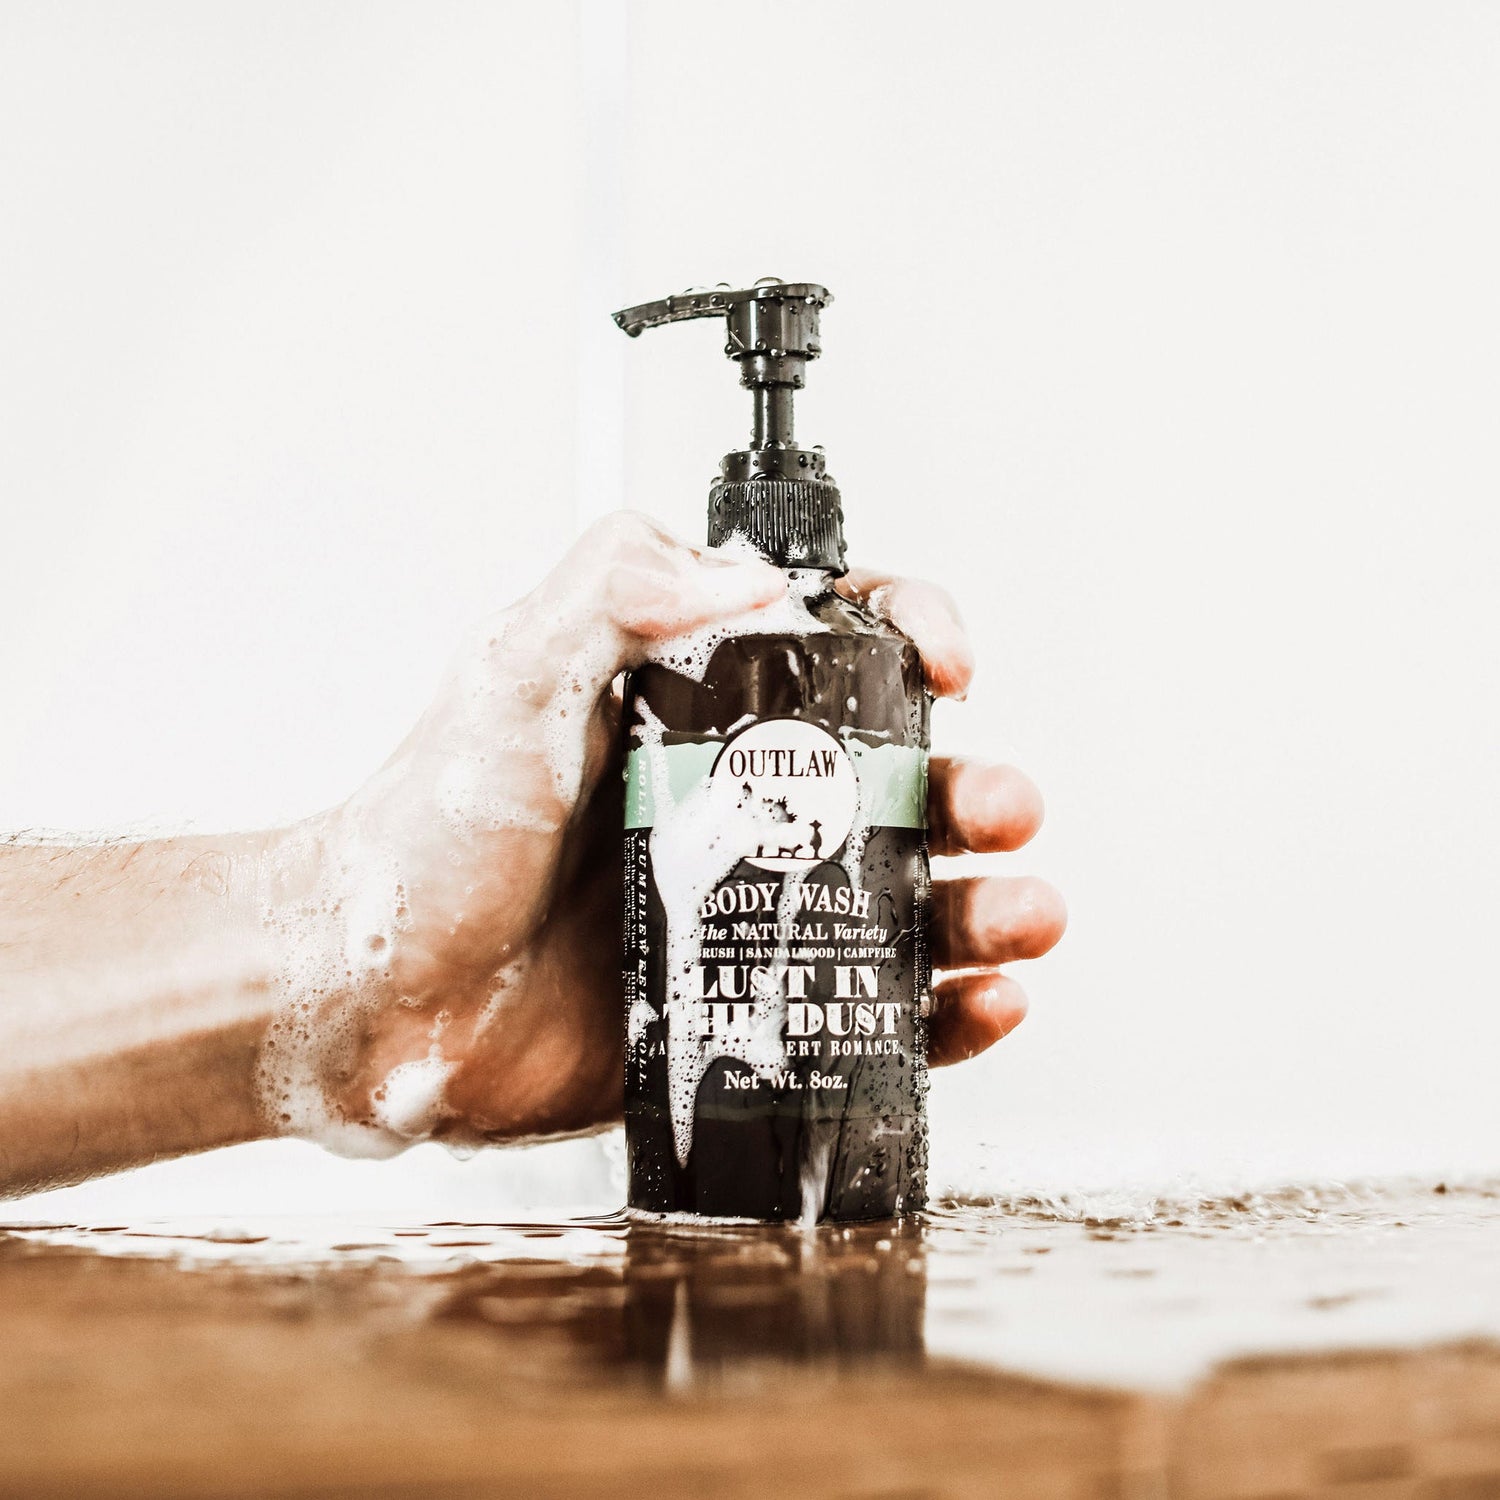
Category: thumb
[650,585]
[537,678]
[627,584]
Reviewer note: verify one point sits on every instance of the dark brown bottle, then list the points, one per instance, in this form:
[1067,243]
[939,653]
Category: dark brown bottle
[776,874]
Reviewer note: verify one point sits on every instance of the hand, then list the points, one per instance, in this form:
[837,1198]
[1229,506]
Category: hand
[458,972]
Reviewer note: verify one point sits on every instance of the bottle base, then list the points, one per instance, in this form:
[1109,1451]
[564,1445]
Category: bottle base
[685,1219]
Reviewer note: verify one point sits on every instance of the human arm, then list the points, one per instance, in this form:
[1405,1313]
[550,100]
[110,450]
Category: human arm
[438,955]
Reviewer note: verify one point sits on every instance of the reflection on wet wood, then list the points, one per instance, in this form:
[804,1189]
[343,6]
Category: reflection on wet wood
[653,1363]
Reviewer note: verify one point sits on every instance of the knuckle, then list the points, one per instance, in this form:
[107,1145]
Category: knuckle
[637,596]
[620,589]
[623,532]
[618,525]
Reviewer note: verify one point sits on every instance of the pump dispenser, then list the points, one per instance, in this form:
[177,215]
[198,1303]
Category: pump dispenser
[777,979]
[775,495]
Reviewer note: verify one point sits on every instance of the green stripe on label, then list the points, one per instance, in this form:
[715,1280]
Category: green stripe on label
[687,766]
[892,780]
[892,784]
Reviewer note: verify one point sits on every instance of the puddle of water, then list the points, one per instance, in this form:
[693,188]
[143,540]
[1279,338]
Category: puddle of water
[1139,1293]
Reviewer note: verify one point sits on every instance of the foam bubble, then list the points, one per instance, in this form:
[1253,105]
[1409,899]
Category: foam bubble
[504,983]
[689,653]
[817,1166]
[409,1103]
[489,779]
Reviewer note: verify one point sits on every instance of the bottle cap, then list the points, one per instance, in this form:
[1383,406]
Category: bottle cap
[773,494]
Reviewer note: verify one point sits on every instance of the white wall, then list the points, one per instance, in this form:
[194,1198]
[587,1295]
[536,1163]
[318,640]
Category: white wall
[1198,315]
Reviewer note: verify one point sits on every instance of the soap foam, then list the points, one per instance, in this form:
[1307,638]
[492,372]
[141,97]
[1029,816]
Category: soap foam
[689,653]
[505,762]
[488,779]
[817,1166]
[691,852]
[409,1104]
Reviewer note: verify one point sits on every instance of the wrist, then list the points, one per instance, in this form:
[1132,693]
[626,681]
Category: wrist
[343,1003]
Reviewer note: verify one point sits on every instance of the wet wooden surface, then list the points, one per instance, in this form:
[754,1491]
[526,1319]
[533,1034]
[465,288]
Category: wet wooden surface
[466,1361]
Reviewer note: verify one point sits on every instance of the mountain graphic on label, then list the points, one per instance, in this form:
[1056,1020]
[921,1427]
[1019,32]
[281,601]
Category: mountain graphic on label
[792,787]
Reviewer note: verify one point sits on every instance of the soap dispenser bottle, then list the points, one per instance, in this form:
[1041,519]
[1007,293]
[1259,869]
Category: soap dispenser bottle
[777,978]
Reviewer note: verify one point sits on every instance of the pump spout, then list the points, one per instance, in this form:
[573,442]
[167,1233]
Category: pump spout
[774,493]
[719,301]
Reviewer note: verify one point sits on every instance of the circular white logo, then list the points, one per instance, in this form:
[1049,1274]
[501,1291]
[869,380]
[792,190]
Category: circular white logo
[792,787]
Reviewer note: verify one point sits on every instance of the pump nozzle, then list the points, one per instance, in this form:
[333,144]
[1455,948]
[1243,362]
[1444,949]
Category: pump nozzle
[773,493]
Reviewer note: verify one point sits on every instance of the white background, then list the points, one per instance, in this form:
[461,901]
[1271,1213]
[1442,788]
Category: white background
[1164,336]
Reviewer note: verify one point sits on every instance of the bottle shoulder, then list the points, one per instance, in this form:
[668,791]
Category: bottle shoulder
[826,624]
[836,663]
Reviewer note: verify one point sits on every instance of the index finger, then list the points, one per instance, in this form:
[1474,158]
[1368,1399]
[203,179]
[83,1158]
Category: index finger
[925,613]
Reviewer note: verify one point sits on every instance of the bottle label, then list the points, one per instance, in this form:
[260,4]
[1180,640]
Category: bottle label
[776,962]
[785,772]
